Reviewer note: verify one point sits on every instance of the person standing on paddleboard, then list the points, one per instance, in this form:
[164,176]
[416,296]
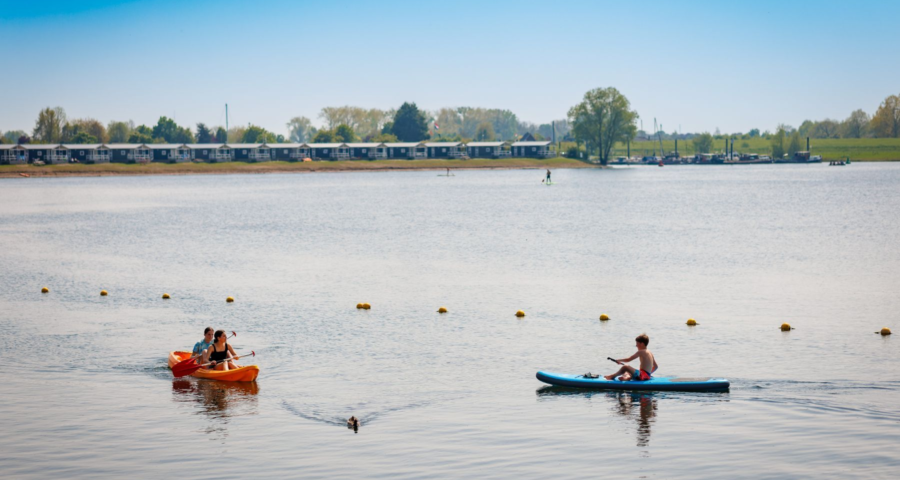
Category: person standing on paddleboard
[648,362]
[204,344]
[221,353]
[548,175]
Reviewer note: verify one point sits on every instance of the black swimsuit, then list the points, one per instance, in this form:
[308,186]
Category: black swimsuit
[218,356]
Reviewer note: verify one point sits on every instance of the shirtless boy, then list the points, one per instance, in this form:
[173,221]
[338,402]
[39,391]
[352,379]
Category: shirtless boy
[648,362]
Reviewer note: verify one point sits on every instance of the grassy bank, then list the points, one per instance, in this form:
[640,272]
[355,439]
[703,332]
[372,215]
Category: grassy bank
[858,149]
[280,167]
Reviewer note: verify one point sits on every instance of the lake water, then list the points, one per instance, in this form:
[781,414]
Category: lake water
[85,391]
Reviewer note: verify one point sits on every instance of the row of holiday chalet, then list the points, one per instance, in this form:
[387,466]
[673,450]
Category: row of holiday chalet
[262,152]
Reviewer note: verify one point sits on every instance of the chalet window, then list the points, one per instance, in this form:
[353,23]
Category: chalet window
[364,150]
[123,152]
[243,152]
[402,150]
[533,149]
[163,153]
[325,151]
[40,153]
[204,152]
[443,150]
[285,152]
[81,152]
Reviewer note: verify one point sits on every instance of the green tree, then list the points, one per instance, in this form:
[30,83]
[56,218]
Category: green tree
[703,143]
[777,141]
[204,134]
[13,136]
[141,134]
[324,136]
[119,132]
[345,132]
[409,124]
[257,134]
[753,133]
[300,129]
[49,125]
[279,138]
[603,118]
[221,135]
[384,138]
[166,129]
[886,121]
[856,125]
[827,128]
[84,137]
[795,145]
[484,132]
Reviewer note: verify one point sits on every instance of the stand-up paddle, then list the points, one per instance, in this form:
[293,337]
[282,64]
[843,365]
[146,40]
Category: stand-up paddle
[193,360]
[189,369]
[613,360]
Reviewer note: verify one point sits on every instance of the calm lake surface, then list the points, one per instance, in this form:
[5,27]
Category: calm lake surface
[85,391]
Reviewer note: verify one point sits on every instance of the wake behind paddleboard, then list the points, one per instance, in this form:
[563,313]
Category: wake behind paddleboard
[661,384]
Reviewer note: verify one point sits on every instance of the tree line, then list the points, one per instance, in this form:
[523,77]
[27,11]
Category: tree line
[407,123]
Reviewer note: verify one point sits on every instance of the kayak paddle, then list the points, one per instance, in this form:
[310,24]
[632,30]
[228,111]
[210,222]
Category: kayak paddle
[613,360]
[189,369]
[193,359]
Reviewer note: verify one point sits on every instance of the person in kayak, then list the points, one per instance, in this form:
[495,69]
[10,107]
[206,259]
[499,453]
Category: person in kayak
[204,344]
[221,353]
[648,362]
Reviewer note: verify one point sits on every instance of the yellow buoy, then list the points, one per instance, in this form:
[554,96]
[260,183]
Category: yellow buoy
[45,290]
[885,331]
[786,327]
[359,306]
[230,299]
[520,314]
[604,317]
[692,323]
[165,296]
[366,306]
[103,293]
[442,310]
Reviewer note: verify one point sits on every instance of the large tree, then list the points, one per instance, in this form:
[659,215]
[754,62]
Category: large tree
[603,118]
[204,134]
[485,132]
[856,125]
[886,121]
[345,132]
[300,129]
[703,143]
[167,130]
[323,136]
[256,134]
[49,125]
[409,124]
[795,145]
[221,135]
[827,128]
[88,125]
[141,134]
[777,142]
[118,132]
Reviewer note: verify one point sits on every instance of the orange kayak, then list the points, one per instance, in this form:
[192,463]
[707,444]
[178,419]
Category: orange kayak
[243,374]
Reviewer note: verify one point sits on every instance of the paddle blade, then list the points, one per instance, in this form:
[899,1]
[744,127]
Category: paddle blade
[181,369]
[185,363]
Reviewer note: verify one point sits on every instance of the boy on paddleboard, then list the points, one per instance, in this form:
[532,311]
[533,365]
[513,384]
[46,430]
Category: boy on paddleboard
[648,362]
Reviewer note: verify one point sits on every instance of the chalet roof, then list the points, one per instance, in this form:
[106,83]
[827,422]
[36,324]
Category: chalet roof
[40,146]
[200,146]
[243,145]
[403,145]
[164,146]
[532,144]
[327,145]
[443,144]
[84,146]
[365,145]
[285,145]
[486,144]
[125,146]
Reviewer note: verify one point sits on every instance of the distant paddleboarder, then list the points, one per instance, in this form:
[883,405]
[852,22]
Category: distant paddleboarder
[548,177]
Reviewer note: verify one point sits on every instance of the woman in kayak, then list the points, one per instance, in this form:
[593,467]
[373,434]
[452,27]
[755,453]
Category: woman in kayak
[204,344]
[648,362]
[221,353]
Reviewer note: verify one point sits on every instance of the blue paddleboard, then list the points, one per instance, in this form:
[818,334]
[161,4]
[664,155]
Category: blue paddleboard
[703,384]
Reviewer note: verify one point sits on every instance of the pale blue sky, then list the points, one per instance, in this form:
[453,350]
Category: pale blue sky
[701,65]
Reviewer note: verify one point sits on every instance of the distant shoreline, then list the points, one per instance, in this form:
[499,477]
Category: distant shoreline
[121,169]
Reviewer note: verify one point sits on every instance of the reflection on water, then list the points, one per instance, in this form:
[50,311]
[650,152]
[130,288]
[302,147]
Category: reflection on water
[219,401]
[639,406]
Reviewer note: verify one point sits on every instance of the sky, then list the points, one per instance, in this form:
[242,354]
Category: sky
[692,65]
